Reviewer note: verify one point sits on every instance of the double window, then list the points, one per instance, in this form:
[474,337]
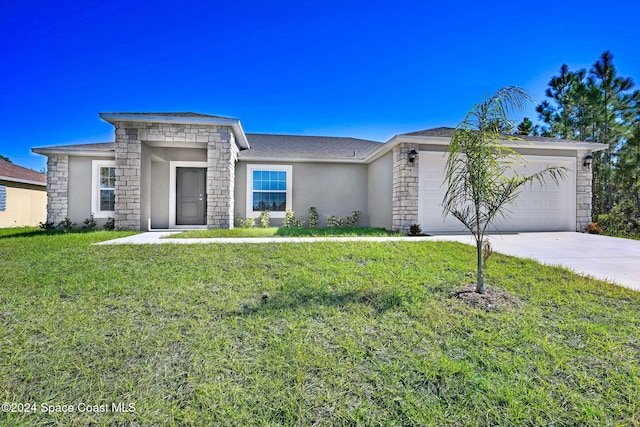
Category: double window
[103,188]
[268,189]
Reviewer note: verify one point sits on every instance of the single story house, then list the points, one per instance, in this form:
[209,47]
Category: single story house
[23,196]
[188,170]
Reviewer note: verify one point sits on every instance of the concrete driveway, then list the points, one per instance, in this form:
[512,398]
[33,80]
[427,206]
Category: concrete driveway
[607,258]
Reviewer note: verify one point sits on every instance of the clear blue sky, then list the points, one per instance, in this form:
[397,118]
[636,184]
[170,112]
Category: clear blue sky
[365,69]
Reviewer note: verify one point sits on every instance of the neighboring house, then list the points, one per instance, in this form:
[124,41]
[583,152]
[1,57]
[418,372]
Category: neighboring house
[188,170]
[23,196]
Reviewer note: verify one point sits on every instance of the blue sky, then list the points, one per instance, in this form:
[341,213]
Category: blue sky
[366,69]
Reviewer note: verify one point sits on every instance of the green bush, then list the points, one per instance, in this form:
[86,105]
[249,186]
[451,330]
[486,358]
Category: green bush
[334,222]
[110,224]
[623,220]
[89,223]
[265,219]
[313,217]
[248,222]
[66,224]
[352,219]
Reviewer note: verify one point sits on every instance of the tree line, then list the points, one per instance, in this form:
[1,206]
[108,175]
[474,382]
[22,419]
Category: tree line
[598,105]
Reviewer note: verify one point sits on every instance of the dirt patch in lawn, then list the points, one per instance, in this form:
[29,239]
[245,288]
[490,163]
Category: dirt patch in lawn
[494,299]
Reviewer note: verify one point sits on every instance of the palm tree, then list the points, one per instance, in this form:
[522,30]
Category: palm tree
[481,171]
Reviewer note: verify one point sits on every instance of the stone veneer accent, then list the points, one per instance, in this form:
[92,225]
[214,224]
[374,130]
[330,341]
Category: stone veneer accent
[127,152]
[222,155]
[221,158]
[405,189]
[584,192]
[57,187]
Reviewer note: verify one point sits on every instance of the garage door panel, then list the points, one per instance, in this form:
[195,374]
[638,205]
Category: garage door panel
[539,207]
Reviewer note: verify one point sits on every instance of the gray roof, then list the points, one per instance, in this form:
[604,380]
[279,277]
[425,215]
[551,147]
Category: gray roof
[183,114]
[447,132]
[15,173]
[298,146]
[268,147]
[98,147]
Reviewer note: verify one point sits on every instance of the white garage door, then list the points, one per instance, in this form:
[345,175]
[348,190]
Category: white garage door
[550,207]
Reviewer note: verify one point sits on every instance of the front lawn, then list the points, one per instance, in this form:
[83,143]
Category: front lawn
[305,334]
[285,232]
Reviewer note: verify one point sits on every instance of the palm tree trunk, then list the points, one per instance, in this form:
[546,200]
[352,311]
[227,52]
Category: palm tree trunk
[480,276]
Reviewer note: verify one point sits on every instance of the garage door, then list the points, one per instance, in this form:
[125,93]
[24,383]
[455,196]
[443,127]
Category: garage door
[550,207]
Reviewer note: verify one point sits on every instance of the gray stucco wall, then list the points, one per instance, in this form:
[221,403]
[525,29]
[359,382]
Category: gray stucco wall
[347,184]
[145,184]
[380,184]
[160,194]
[79,191]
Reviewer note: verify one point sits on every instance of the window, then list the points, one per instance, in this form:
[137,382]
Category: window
[104,188]
[268,188]
[3,198]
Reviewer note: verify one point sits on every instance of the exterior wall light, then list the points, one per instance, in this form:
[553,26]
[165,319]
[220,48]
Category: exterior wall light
[411,155]
[588,160]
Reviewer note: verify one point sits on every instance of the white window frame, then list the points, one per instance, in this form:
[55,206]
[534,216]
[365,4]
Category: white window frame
[95,188]
[256,167]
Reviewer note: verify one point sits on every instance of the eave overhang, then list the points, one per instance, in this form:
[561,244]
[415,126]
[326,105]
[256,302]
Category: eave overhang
[233,123]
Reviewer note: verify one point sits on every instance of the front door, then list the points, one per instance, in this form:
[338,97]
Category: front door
[191,196]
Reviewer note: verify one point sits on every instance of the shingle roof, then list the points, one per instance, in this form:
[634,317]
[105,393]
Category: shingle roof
[97,146]
[11,172]
[183,114]
[447,132]
[298,146]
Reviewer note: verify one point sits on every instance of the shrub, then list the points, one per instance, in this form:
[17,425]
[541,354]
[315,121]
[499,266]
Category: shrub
[624,219]
[289,220]
[110,224]
[415,229]
[352,219]
[48,225]
[265,219]
[248,222]
[89,223]
[334,222]
[313,217]
[66,224]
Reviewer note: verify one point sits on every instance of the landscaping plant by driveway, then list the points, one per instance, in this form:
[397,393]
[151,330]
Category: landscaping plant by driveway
[304,334]
[481,176]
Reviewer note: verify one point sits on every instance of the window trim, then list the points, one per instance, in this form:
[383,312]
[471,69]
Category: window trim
[95,188]
[271,167]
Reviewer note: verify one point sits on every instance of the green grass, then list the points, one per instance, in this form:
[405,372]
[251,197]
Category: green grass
[285,232]
[307,334]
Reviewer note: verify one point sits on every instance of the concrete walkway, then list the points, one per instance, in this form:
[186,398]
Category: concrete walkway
[606,258]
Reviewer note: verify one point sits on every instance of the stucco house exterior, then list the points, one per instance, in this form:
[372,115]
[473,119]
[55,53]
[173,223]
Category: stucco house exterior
[23,196]
[189,170]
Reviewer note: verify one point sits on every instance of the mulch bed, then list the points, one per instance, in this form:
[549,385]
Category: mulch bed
[494,299]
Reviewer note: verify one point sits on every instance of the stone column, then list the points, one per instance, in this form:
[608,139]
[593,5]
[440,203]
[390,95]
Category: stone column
[405,189]
[127,153]
[221,159]
[584,191]
[57,188]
